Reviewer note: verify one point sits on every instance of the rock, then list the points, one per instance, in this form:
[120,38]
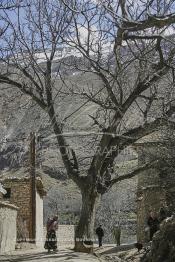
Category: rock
[112,258]
[17,246]
[163,244]
[131,254]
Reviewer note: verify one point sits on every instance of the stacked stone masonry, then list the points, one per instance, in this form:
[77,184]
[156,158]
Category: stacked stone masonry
[21,197]
[156,186]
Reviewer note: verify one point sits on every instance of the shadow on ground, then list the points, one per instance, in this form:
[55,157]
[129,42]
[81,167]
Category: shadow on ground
[45,257]
[114,249]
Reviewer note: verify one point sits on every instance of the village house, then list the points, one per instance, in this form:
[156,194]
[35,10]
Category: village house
[19,192]
[156,184]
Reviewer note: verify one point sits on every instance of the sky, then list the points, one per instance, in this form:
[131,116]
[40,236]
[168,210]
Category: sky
[83,32]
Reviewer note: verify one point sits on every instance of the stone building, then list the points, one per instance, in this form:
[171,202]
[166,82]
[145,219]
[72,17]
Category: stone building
[156,184]
[18,185]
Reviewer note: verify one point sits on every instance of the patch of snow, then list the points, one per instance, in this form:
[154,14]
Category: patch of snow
[149,186]
[75,73]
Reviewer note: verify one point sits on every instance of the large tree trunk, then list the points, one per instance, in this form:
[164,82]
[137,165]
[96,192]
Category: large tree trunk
[84,233]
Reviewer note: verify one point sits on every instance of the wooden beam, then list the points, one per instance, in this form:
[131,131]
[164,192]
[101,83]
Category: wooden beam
[33,184]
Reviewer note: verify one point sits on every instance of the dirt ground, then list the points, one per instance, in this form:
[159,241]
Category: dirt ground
[64,255]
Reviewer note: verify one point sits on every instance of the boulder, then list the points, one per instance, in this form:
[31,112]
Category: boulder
[163,244]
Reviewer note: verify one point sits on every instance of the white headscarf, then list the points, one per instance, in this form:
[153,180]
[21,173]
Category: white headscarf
[2,190]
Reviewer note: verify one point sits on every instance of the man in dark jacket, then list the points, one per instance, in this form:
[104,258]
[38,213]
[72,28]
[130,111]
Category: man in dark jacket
[153,224]
[100,234]
[162,214]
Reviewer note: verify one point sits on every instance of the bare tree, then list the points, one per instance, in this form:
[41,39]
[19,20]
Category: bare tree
[127,46]
[4,6]
[9,5]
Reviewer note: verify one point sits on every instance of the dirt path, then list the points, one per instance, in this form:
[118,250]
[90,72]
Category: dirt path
[65,255]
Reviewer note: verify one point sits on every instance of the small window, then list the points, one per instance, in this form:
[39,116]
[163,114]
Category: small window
[8,194]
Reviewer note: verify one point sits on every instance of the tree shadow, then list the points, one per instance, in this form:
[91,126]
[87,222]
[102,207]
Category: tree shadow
[117,249]
[63,256]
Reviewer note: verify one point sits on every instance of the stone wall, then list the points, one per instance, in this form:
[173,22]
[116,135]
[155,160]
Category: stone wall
[65,235]
[156,186]
[21,197]
[8,215]
[152,198]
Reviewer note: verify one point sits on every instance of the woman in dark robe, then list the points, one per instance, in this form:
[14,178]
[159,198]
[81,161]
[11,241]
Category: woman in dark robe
[51,239]
[153,224]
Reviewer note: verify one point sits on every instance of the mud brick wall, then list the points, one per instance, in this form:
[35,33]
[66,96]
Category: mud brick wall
[21,197]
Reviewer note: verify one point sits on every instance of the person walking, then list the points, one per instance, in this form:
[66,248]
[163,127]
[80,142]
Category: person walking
[100,234]
[51,239]
[162,214]
[117,234]
[153,224]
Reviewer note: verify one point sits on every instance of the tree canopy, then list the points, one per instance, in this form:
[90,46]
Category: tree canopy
[127,45]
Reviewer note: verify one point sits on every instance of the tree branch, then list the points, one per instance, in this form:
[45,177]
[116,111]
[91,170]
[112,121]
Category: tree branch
[134,172]
[129,138]
[22,87]
[152,21]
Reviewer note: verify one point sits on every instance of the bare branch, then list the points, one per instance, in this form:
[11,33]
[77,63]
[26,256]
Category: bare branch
[135,172]
[152,21]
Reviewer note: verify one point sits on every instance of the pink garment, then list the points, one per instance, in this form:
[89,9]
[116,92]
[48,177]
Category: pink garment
[53,226]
